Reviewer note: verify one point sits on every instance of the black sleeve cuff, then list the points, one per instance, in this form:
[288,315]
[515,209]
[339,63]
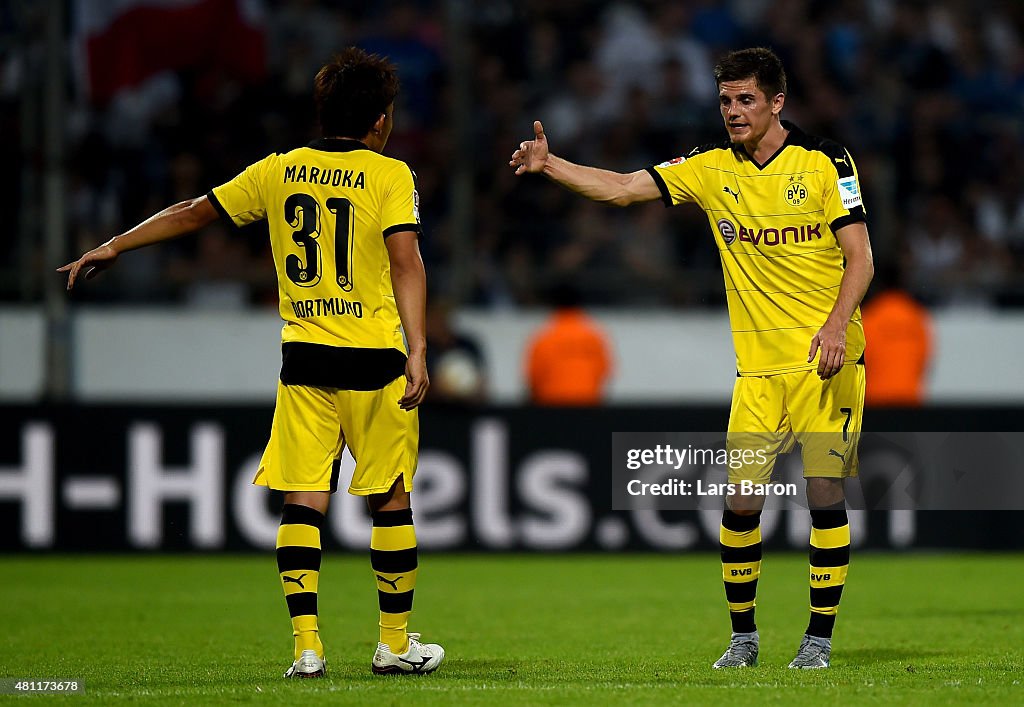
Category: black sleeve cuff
[661,186]
[414,227]
[855,216]
[220,209]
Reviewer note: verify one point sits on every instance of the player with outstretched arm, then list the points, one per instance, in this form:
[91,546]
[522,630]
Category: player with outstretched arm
[344,231]
[786,211]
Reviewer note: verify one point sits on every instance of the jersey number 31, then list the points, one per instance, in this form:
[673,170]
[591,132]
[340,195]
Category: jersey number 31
[303,212]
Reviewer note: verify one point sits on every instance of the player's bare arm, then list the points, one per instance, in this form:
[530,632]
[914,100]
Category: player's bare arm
[600,185]
[409,280]
[184,217]
[860,268]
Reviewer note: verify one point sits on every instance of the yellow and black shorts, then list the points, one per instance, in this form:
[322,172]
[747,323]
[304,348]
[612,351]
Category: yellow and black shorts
[773,413]
[312,426]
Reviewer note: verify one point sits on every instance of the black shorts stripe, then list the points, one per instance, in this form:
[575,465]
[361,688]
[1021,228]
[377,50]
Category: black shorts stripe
[395,603]
[750,553]
[342,367]
[393,560]
[740,523]
[825,597]
[294,514]
[295,557]
[335,475]
[828,518]
[830,557]
[302,604]
[392,519]
[738,592]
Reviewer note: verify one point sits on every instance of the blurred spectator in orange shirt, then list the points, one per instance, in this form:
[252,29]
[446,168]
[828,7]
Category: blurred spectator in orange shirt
[569,360]
[899,344]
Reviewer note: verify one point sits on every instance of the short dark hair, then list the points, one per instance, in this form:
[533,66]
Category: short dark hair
[758,63]
[352,91]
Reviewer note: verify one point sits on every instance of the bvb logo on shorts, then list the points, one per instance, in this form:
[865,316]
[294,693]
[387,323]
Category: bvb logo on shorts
[795,193]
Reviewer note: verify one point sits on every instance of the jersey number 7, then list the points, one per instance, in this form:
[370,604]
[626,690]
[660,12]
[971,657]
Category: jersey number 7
[303,212]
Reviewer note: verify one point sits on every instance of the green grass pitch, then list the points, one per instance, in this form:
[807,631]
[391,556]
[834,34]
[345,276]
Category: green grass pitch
[553,630]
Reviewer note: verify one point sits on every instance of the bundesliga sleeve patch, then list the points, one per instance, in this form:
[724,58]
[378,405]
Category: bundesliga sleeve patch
[849,192]
[674,160]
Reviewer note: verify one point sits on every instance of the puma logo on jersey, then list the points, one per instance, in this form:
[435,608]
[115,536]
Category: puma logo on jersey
[735,194]
[839,160]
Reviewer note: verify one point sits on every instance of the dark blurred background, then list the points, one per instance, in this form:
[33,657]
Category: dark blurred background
[927,96]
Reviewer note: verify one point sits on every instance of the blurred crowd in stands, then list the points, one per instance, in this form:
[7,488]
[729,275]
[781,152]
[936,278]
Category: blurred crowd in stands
[927,96]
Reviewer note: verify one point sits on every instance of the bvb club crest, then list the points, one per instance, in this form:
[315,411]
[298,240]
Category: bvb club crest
[795,193]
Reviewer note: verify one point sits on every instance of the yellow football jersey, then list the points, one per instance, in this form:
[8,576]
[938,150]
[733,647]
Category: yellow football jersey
[329,207]
[775,226]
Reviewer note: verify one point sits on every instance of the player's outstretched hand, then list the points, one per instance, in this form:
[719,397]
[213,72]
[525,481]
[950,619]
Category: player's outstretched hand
[416,381]
[832,343]
[532,155]
[94,262]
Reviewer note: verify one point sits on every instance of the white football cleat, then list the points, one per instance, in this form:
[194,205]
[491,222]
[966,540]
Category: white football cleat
[420,659]
[309,665]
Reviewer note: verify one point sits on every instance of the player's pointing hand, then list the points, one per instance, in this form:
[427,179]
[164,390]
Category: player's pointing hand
[532,155]
[95,261]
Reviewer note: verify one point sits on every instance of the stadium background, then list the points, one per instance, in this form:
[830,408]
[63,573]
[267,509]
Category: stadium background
[133,408]
[135,552]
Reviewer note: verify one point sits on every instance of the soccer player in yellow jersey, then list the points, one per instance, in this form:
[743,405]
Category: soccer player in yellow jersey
[785,208]
[344,230]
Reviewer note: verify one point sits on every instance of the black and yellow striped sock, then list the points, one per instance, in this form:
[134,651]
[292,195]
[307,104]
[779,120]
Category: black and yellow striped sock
[393,559]
[298,561]
[830,560]
[740,540]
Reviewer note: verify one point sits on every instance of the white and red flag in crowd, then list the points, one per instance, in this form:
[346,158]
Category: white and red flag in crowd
[122,43]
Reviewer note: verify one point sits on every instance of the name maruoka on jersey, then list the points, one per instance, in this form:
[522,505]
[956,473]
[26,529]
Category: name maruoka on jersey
[334,177]
[331,206]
